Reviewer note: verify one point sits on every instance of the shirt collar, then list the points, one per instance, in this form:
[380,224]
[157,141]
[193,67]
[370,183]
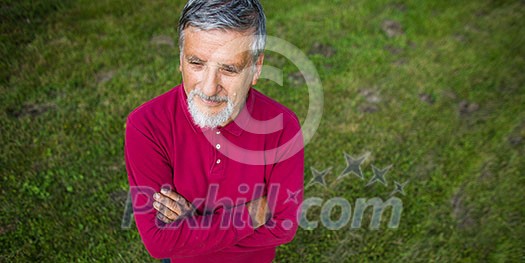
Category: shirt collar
[232,127]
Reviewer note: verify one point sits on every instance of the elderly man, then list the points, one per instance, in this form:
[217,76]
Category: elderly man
[215,167]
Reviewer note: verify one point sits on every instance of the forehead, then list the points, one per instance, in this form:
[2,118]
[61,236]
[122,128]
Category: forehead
[222,46]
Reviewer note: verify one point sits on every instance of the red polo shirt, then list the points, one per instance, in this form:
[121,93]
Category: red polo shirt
[219,171]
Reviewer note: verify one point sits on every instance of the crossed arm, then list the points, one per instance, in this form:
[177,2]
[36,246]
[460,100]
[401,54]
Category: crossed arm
[171,206]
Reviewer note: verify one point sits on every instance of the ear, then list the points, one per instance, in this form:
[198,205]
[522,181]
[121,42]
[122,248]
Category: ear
[258,69]
[180,61]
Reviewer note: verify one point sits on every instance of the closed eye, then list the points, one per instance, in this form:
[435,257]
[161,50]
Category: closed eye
[192,60]
[229,69]
[196,64]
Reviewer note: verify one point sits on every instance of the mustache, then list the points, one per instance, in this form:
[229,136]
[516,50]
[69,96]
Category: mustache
[214,98]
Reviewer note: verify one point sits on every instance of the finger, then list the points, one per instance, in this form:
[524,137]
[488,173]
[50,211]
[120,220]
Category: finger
[163,218]
[182,206]
[170,204]
[167,201]
[172,215]
[157,206]
[172,194]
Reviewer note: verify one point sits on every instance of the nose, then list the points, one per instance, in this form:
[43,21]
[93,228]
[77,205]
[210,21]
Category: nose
[210,85]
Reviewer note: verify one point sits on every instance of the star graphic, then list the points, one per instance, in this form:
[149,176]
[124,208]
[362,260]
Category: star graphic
[318,176]
[292,196]
[354,166]
[379,175]
[399,188]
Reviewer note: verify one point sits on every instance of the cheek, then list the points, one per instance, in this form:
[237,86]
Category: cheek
[240,94]
[189,78]
[241,87]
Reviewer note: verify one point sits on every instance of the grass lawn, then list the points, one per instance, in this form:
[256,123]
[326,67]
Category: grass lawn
[435,89]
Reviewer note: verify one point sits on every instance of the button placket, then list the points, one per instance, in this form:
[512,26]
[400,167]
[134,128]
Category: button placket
[218,166]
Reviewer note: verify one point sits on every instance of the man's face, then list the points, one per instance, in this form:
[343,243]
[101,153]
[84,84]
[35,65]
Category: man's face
[217,72]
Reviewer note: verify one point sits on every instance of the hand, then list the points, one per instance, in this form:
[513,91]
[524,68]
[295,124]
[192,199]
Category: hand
[258,211]
[171,206]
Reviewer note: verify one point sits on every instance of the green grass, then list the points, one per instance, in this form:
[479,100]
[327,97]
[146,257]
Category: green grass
[71,71]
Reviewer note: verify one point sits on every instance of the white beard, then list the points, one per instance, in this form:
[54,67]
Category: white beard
[205,120]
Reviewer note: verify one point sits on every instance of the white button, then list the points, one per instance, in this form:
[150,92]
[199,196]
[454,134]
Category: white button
[218,132]
[218,161]
[218,146]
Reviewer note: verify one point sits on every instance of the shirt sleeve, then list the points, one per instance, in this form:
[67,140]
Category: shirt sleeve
[285,194]
[148,169]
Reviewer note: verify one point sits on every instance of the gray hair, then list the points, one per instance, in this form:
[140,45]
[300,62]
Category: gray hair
[239,15]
